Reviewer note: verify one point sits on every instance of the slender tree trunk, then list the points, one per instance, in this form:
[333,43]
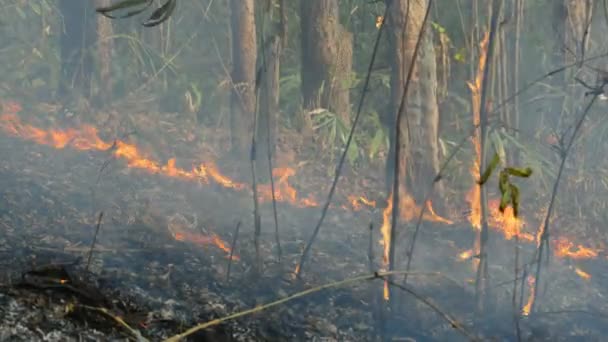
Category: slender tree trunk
[77,35]
[269,105]
[244,53]
[420,151]
[571,41]
[326,58]
[104,53]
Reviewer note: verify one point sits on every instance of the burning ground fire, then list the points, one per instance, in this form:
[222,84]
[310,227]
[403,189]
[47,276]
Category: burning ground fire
[86,138]
[505,222]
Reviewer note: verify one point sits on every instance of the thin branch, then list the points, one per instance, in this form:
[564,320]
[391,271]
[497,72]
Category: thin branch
[94,241]
[544,239]
[481,280]
[260,308]
[343,156]
[438,177]
[396,170]
[453,322]
[233,247]
[135,333]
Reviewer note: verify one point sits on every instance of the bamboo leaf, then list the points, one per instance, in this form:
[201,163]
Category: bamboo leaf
[505,199]
[514,199]
[503,182]
[488,172]
[519,172]
[124,5]
[161,14]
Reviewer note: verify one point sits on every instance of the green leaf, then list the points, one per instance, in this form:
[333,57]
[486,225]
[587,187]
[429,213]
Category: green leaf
[488,172]
[503,182]
[460,56]
[124,5]
[514,199]
[161,14]
[519,172]
[438,27]
[505,199]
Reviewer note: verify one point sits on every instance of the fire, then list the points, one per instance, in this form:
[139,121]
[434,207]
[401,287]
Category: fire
[582,274]
[566,249]
[466,255]
[87,138]
[385,230]
[531,283]
[357,202]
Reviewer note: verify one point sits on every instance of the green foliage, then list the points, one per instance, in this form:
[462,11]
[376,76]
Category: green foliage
[509,192]
[157,17]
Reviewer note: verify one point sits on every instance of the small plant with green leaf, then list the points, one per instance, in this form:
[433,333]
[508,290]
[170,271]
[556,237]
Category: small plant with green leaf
[509,192]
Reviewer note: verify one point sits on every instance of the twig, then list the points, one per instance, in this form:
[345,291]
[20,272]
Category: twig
[274,200]
[94,240]
[481,280]
[438,177]
[516,308]
[453,322]
[257,220]
[343,156]
[350,281]
[522,287]
[377,313]
[370,249]
[396,170]
[233,247]
[269,144]
[540,79]
[118,320]
[544,239]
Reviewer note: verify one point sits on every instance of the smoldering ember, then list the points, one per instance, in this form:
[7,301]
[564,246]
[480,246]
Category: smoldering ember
[321,170]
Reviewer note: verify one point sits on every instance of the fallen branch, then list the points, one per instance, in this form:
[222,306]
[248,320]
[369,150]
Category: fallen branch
[234,239]
[453,322]
[135,333]
[94,240]
[350,281]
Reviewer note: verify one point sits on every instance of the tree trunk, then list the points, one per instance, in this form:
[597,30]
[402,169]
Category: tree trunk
[104,54]
[244,52]
[419,159]
[77,35]
[326,58]
[269,106]
[571,23]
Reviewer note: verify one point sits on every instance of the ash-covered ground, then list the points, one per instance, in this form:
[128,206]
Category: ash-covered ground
[161,261]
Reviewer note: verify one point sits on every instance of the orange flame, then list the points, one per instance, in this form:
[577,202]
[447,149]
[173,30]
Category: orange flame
[566,249]
[531,283]
[385,230]
[582,274]
[466,255]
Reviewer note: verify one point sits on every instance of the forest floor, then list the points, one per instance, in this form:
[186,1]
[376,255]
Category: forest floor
[161,257]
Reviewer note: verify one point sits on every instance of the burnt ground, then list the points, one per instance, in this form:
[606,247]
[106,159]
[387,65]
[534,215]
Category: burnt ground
[161,286]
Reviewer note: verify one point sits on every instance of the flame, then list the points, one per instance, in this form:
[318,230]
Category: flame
[379,21]
[357,202]
[566,249]
[531,283]
[385,231]
[466,255]
[86,137]
[582,274]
